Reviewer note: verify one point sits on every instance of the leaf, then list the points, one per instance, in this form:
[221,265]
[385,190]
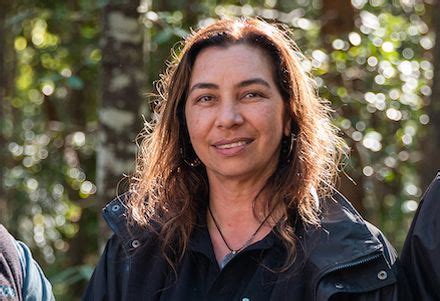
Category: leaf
[75,82]
[164,36]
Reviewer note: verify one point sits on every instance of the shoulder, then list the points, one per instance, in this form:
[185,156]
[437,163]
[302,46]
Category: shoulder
[346,228]
[35,284]
[422,245]
[343,221]
[25,273]
[11,276]
[128,236]
[7,245]
[123,253]
[348,253]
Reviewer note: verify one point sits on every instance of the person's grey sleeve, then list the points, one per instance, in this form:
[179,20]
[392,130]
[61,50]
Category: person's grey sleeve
[36,287]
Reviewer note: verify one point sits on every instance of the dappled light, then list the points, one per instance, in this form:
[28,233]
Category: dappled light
[378,76]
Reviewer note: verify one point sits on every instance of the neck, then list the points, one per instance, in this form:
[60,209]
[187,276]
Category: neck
[239,206]
[240,212]
[234,197]
[237,210]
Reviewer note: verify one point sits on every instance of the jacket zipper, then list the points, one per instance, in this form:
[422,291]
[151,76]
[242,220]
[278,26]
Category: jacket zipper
[373,257]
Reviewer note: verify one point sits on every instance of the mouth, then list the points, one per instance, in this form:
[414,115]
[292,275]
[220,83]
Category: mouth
[231,145]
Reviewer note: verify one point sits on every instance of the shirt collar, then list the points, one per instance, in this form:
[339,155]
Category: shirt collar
[200,240]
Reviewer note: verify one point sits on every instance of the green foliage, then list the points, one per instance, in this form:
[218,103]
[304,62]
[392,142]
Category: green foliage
[377,78]
[50,134]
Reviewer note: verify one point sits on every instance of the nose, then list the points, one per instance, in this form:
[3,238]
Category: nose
[229,115]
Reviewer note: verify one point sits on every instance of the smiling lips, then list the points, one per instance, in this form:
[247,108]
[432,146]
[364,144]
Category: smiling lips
[232,147]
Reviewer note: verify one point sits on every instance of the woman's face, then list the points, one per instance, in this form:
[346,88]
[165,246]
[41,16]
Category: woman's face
[235,113]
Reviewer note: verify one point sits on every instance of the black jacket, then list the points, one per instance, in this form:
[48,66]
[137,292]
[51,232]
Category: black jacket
[421,251]
[348,259]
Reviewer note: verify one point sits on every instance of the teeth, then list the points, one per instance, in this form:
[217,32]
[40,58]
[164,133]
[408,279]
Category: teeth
[231,145]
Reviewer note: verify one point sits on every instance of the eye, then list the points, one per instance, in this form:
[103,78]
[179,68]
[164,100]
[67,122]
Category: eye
[205,99]
[252,95]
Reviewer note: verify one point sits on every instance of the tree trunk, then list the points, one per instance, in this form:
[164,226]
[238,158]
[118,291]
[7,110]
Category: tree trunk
[123,80]
[337,19]
[431,157]
[77,97]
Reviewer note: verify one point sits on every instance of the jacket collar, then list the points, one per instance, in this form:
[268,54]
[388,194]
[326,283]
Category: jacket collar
[343,236]
[115,213]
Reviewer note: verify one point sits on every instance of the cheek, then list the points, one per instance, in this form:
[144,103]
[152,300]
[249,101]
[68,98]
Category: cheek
[200,121]
[195,129]
[274,121]
[189,120]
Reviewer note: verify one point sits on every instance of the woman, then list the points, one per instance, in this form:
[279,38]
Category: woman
[233,198]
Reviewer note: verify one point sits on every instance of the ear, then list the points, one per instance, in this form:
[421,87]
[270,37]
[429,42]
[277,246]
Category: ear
[287,126]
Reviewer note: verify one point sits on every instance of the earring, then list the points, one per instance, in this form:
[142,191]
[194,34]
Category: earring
[193,162]
[287,145]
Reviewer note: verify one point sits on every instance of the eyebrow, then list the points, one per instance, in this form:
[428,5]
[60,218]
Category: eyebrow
[245,83]
[252,81]
[204,86]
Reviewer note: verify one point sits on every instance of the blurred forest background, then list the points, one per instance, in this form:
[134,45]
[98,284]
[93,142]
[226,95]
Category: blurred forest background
[74,79]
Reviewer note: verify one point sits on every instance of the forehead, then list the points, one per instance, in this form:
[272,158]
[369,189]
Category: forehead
[239,60]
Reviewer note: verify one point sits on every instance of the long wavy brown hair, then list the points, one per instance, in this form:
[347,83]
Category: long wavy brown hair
[169,192]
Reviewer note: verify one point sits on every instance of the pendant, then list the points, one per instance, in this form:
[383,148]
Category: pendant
[228,257]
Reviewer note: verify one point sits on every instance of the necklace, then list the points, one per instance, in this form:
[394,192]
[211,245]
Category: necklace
[228,257]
